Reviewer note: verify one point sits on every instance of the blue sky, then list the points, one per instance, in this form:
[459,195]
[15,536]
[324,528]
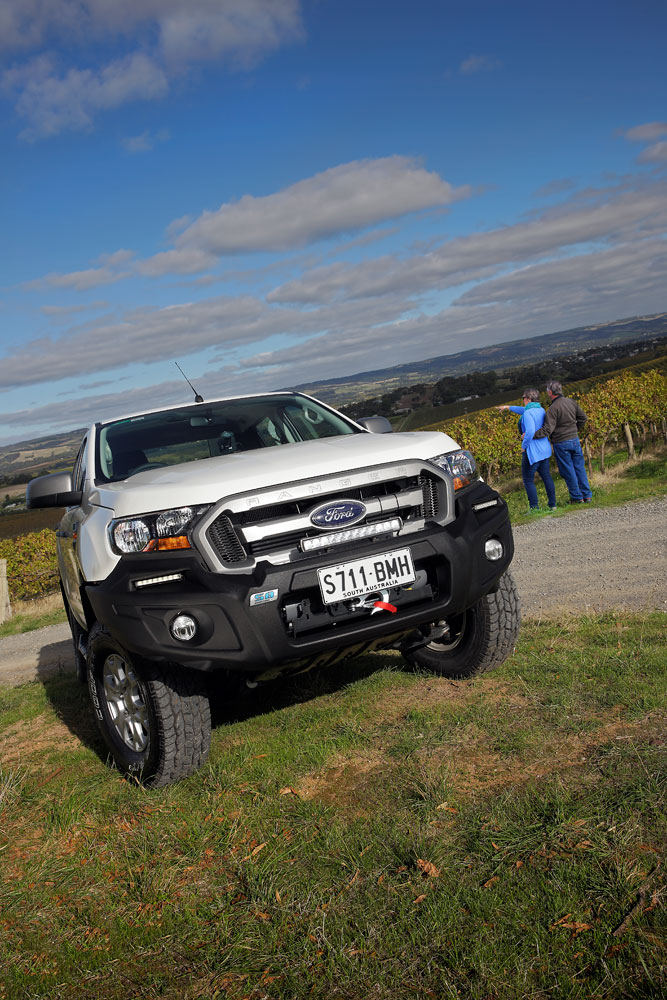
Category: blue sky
[278,191]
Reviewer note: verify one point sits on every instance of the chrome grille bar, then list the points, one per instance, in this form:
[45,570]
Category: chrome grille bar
[277,539]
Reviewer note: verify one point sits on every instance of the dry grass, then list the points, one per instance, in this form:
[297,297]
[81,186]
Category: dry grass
[613,474]
[40,606]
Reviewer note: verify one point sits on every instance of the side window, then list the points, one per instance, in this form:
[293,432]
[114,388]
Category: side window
[79,470]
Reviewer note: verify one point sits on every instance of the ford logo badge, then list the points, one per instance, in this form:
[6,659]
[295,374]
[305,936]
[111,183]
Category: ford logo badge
[339,514]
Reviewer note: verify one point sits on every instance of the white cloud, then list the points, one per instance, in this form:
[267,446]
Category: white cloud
[65,313]
[342,199]
[561,186]
[598,256]
[205,30]
[646,132]
[479,64]
[363,241]
[144,335]
[52,102]
[629,269]
[116,259]
[148,335]
[162,38]
[613,214]
[198,30]
[176,262]
[657,153]
[145,141]
[80,281]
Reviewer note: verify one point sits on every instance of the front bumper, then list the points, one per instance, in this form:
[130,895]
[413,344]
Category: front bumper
[294,628]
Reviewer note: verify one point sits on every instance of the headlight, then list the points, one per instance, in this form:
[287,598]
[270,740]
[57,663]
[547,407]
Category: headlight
[163,530]
[460,465]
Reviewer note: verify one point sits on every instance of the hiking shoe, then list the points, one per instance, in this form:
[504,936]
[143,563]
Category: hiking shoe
[572,500]
[587,500]
[552,510]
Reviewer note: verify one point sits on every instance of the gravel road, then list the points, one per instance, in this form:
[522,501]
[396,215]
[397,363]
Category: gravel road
[593,560]
[590,561]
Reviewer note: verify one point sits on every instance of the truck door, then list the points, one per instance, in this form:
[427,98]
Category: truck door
[67,535]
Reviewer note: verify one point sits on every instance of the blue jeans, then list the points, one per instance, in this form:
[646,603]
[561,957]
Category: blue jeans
[528,475]
[571,465]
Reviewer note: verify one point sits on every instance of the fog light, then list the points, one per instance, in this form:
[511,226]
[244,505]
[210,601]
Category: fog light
[183,627]
[493,549]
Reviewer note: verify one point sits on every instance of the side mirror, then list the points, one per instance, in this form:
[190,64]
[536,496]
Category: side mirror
[54,490]
[376,425]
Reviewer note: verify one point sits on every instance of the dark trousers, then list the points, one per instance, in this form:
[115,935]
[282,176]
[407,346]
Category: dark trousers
[528,475]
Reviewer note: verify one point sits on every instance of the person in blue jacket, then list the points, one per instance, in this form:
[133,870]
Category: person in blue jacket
[534,455]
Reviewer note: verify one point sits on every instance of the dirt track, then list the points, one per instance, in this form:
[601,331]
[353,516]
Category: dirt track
[593,560]
[590,561]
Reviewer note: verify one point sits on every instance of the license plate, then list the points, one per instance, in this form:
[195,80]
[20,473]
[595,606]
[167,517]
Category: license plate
[365,576]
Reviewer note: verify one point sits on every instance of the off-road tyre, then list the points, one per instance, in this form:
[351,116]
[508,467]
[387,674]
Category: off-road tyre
[154,718]
[480,639]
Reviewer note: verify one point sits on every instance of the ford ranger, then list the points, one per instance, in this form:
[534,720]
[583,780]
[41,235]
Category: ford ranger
[265,535]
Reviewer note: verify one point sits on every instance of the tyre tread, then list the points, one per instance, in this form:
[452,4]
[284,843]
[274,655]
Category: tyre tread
[182,713]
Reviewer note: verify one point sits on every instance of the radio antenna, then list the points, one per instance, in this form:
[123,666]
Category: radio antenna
[198,398]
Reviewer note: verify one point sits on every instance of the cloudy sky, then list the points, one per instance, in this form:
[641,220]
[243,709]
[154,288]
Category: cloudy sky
[274,191]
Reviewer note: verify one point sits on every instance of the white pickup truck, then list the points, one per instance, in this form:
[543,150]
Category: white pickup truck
[265,535]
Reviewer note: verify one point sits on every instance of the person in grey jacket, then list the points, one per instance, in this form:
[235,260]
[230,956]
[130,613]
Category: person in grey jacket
[562,424]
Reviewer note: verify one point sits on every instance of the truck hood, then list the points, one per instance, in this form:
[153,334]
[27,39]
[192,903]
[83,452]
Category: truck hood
[211,479]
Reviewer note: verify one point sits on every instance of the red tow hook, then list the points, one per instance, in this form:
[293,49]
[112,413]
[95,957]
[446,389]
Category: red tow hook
[385,606]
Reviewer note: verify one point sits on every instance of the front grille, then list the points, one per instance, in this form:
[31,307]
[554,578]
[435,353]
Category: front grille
[272,524]
[430,493]
[225,541]
[290,508]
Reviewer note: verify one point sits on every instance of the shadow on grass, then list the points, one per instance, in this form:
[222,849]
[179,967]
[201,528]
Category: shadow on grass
[70,701]
[231,699]
[647,468]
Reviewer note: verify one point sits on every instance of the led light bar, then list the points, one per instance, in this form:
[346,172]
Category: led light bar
[152,580]
[483,506]
[350,534]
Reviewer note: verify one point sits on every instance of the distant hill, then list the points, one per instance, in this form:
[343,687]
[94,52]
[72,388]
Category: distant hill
[48,453]
[511,354]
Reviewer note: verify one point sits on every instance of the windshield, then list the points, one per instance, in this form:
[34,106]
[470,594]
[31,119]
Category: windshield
[208,430]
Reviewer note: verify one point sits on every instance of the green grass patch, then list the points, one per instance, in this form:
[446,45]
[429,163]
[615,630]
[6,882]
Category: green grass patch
[27,622]
[370,832]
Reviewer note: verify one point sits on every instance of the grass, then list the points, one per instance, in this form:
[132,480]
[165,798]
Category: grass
[370,833]
[28,621]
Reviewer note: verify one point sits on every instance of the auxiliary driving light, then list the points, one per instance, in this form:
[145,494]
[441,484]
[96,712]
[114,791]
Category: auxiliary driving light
[351,534]
[151,581]
[493,549]
[183,627]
